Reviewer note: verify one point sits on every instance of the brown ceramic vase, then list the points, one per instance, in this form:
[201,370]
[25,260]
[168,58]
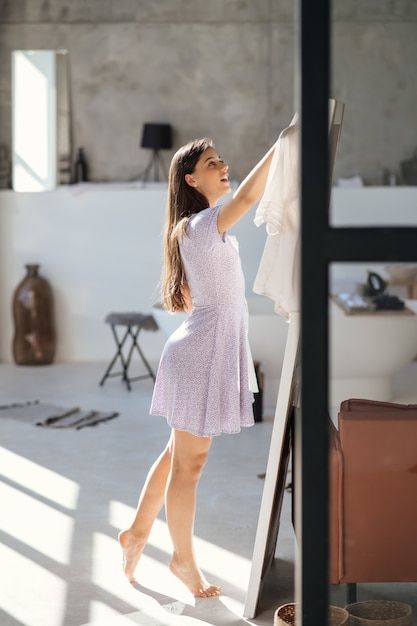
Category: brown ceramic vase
[34,340]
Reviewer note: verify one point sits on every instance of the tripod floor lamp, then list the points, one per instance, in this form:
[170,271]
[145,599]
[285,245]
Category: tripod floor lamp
[156,137]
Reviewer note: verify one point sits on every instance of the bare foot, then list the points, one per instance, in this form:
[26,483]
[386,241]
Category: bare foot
[195,581]
[132,549]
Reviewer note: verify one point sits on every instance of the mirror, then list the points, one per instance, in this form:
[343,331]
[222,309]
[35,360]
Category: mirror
[41,120]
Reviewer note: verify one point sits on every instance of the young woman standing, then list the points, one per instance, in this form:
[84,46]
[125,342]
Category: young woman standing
[202,384]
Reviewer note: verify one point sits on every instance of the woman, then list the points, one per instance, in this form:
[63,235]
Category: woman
[202,385]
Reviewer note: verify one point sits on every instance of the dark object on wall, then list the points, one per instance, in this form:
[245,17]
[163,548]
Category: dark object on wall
[34,340]
[5,168]
[258,405]
[409,170]
[156,137]
[81,167]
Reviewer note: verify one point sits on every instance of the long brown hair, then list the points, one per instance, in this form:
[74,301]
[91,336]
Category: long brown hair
[183,201]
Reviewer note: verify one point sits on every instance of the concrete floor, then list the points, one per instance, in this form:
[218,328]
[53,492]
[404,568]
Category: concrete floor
[65,494]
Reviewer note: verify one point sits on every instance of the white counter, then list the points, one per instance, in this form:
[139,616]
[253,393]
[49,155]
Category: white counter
[373,206]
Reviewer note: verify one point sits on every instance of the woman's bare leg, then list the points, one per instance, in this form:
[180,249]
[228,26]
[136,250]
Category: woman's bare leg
[151,500]
[189,455]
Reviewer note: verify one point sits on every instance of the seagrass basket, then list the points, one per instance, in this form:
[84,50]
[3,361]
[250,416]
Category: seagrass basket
[379,613]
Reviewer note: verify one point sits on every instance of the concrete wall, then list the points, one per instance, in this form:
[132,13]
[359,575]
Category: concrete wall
[223,68]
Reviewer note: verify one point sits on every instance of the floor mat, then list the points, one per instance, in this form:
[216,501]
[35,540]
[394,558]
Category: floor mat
[53,416]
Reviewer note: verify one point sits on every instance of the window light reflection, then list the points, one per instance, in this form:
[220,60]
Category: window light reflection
[36,524]
[23,583]
[38,479]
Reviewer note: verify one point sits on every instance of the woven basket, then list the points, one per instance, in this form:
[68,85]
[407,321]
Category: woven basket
[285,615]
[379,613]
[338,616]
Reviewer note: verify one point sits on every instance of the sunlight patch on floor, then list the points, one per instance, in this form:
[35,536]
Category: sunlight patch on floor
[36,524]
[103,614]
[154,616]
[23,583]
[40,480]
[215,560]
[120,514]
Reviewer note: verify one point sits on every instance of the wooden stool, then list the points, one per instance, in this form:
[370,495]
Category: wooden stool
[133,324]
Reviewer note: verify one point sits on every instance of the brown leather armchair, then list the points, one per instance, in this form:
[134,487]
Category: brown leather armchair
[373,493]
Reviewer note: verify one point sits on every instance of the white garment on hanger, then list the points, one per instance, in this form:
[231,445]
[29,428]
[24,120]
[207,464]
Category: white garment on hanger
[278,271]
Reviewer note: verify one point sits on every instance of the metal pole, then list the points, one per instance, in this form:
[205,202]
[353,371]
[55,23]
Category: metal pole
[311,445]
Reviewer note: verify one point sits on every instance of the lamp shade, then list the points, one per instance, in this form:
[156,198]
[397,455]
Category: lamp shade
[156,136]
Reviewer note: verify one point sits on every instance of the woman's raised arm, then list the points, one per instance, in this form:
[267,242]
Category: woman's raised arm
[246,195]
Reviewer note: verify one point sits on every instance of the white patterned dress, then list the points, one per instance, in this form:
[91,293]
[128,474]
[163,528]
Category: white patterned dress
[202,384]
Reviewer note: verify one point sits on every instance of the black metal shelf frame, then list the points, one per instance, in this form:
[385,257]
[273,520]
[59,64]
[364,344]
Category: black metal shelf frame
[320,246]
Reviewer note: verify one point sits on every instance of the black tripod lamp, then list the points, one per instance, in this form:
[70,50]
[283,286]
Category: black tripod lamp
[156,137]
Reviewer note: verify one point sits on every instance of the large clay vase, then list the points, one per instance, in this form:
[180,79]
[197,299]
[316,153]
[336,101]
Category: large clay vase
[34,340]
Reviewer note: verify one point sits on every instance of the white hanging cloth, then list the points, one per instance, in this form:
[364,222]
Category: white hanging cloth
[278,272]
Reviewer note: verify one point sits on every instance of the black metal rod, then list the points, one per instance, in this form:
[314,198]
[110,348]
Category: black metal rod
[311,445]
[370,244]
[320,246]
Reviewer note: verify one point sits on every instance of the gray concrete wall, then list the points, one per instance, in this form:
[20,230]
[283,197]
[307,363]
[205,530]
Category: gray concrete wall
[223,68]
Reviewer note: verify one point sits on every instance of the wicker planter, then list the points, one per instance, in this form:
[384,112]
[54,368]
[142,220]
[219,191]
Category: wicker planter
[379,613]
[285,615]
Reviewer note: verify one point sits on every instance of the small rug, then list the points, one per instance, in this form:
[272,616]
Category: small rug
[52,416]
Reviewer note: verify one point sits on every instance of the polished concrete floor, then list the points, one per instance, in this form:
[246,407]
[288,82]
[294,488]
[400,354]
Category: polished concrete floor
[66,493]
